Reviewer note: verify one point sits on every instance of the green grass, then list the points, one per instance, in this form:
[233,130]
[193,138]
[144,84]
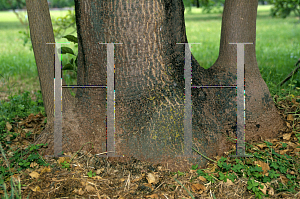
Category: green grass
[277,43]
[277,47]
[16,60]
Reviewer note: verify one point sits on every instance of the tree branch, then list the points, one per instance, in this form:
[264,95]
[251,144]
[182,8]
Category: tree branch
[291,74]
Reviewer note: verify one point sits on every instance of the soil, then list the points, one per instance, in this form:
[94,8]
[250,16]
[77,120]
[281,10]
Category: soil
[90,176]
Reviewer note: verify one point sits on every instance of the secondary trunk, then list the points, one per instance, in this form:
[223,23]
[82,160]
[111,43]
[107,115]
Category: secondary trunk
[149,81]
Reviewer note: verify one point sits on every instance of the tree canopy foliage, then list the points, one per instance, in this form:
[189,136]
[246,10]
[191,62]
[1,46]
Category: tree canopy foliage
[280,8]
[20,4]
[283,8]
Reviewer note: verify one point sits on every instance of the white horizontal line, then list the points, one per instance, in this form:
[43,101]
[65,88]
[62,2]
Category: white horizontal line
[214,86]
[57,43]
[85,86]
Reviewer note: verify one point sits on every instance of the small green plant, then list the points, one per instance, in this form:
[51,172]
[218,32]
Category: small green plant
[91,174]
[180,173]
[254,186]
[223,177]
[284,145]
[194,167]
[66,165]
[249,168]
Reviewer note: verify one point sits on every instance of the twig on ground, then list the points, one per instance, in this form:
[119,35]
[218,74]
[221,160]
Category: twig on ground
[291,74]
[204,155]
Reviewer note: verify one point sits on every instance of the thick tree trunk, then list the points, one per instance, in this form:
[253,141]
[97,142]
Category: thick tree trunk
[219,107]
[41,32]
[149,80]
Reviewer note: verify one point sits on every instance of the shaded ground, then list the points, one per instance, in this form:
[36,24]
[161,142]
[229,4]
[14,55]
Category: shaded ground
[82,175]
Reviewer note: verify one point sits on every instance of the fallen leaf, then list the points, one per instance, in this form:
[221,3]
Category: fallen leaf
[202,178]
[198,188]
[7,138]
[229,183]
[296,150]
[62,159]
[80,191]
[282,152]
[99,171]
[46,169]
[137,179]
[34,174]
[33,164]
[122,179]
[292,144]
[290,117]
[287,136]
[264,189]
[151,178]
[152,196]
[284,179]
[89,188]
[271,191]
[292,172]
[97,177]
[36,188]
[8,126]
[265,167]
[261,146]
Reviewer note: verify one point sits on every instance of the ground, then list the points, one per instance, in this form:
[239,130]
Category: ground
[82,175]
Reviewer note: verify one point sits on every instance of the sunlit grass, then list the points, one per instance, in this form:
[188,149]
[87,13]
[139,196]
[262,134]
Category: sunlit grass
[277,44]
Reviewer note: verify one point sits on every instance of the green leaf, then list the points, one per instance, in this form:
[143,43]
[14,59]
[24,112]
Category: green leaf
[68,66]
[72,61]
[71,38]
[194,167]
[283,169]
[266,179]
[222,159]
[237,168]
[222,176]
[273,174]
[227,167]
[274,165]
[232,177]
[65,50]
[268,143]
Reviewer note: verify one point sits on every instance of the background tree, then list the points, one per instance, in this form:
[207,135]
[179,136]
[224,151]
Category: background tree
[207,5]
[12,4]
[262,2]
[283,8]
[149,80]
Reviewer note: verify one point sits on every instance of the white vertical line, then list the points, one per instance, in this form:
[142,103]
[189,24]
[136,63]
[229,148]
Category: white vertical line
[188,102]
[240,134]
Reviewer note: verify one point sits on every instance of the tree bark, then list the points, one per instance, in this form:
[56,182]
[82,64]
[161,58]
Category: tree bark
[149,80]
[41,32]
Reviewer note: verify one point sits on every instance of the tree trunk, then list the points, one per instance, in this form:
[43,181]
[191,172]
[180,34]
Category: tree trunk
[197,3]
[149,80]
[41,32]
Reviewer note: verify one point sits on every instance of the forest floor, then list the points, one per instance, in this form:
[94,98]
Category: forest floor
[272,172]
